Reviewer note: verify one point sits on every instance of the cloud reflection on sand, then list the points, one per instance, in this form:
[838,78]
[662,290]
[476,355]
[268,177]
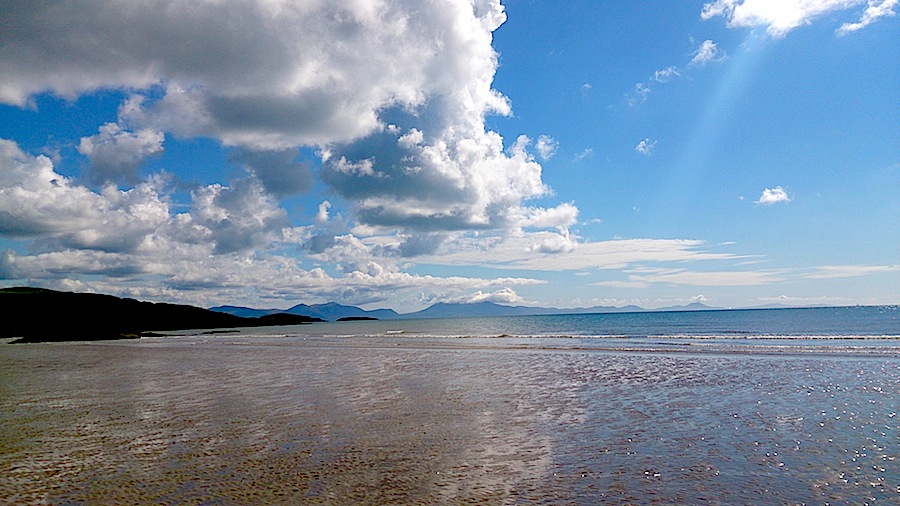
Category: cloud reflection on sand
[279,421]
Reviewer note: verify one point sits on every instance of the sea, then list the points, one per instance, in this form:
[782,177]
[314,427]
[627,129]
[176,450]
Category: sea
[769,406]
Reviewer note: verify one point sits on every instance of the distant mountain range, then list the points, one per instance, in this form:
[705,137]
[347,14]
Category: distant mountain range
[329,311]
[333,311]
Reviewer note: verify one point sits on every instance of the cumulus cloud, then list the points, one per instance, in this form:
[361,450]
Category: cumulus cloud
[706,53]
[116,154]
[773,196]
[563,215]
[132,243]
[780,17]
[460,180]
[38,203]
[397,108]
[238,218]
[645,147]
[421,244]
[559,242]
[253,76]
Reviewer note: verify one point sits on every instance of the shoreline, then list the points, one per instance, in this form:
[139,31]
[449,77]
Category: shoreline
[886,347]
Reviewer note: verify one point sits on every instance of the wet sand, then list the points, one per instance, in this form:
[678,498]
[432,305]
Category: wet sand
[286,421]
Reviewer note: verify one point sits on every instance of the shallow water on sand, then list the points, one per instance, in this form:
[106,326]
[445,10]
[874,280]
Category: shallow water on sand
[342,421]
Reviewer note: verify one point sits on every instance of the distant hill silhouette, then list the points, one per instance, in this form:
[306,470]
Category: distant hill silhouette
[244,312]
[332,311]
[328,311]
[39,315]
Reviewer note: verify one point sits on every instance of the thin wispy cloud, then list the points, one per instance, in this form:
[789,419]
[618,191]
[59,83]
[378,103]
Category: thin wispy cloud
[874,11]
[648,277]
[664,75]
[707,52]
[639,95]
[584,153]
[851,271]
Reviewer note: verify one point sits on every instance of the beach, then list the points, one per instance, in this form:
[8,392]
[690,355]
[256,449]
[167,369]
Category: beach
[286,420]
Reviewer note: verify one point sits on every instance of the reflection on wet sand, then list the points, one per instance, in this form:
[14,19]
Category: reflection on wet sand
[206,421]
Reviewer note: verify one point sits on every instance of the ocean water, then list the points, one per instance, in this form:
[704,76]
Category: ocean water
[746,407]
[860,329]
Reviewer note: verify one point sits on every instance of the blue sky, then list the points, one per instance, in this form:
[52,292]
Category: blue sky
[397,154]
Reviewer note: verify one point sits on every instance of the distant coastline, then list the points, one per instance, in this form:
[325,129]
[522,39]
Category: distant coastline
[67,316]
[332,311]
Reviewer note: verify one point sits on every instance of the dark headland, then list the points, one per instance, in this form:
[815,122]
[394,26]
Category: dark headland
[357,319]
[38,315]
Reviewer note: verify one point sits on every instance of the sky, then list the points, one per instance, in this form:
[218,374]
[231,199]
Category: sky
[399,153]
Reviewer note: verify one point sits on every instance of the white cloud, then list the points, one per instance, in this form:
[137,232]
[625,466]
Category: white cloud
[563,215]
[554,243]
[132,243]
[584,153]
[546,146]
[38,203]
[462,180]
[876,9]
[322,215]
[781,16]
[241,217]
[501,296]
[706,53]
[645,147]
[773,196]
[243,73]
[116,154]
